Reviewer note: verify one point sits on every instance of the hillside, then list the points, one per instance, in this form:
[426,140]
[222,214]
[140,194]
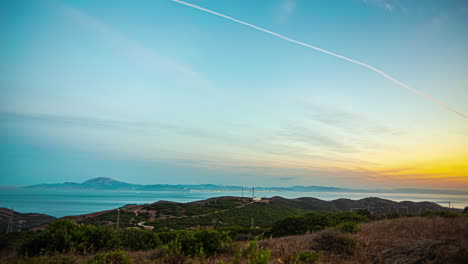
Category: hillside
[229,211]
[21,221]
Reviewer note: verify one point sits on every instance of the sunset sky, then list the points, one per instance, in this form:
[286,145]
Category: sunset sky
[157,92]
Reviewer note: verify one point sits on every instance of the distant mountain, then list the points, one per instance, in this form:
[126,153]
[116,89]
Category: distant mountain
[96,183]
[18,221]
[103,183]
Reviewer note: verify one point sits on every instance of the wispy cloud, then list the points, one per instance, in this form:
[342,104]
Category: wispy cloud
[389,5]
[104,123]
[285,10]
[128,47]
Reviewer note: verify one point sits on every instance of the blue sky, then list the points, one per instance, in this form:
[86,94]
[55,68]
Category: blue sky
[157,92]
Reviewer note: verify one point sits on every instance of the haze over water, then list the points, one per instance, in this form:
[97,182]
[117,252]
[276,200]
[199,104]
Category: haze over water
[60,203]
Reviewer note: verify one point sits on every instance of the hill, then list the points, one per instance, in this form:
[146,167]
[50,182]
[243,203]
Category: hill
[230,211]
[21,221]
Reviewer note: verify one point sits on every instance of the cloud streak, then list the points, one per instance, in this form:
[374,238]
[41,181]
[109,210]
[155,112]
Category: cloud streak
[382,73]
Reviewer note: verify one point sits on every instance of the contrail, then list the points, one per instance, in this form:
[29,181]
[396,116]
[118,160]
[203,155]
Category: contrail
[329,53]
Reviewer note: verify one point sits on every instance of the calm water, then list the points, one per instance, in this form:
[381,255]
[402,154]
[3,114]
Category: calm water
[73,202]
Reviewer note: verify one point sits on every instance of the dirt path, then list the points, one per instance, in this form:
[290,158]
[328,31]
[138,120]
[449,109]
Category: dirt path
[142,224]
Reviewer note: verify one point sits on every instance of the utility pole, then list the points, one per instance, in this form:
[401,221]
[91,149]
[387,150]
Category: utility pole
[118,218]
[449,204]
[253,192]
[242,192]
[10,222]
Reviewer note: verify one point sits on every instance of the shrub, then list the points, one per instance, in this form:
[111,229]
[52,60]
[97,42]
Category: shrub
[204,242]
[64,236]
[336,242]
[363,212]
[115,257]
[292,225]
[255,255]
[137,239]
[212,241]
[338,218]
[88,238]
[348,227]
[298,225]
[303,257]
[239,233]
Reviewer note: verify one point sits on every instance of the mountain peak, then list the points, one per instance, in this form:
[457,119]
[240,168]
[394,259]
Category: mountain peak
[102,181]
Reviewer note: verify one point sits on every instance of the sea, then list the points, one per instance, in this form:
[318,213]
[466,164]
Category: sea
[60,203]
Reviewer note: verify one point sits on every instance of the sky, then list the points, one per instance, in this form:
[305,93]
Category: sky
[158,92]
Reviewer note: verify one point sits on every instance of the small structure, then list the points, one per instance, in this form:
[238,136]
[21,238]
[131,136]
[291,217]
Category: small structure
[257,199]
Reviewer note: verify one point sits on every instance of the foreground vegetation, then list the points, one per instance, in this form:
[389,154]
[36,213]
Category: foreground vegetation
[345,237]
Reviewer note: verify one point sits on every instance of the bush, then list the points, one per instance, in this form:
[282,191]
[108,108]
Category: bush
[65,236]
[336,242]
[348,227]
[137,239]
[255,255]
[204,242]
[363,212]
[116,257]
[212,241]
[303,257]
[239,233]
[298,225]
[338,218]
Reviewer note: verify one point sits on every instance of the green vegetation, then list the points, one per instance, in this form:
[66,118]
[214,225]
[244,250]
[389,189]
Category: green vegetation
[64,236]
[258,214]
[195,232]
[255,255]
[439,214]
[348,227]
[114,257]
[303,257]
[297,225]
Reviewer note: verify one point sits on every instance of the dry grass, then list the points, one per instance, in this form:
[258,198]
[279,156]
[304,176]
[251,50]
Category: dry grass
[377,236]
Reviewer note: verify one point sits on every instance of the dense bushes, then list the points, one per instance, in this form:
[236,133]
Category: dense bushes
[439,214]
[297,225]
[137,239]
[239,233]
[253,254]
[64,236]
[204,242]
[348,227]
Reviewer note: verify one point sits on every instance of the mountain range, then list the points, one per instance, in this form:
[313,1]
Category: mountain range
[104,183]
